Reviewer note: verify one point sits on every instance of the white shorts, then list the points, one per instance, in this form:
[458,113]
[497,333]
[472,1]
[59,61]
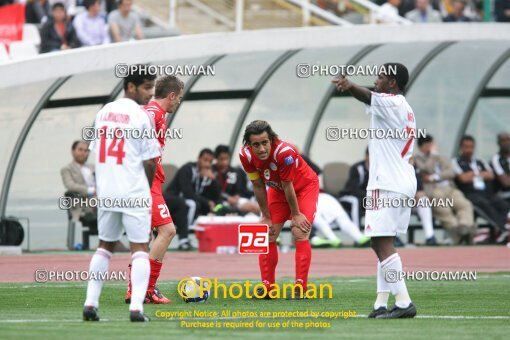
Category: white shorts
[383,217]
[111,225]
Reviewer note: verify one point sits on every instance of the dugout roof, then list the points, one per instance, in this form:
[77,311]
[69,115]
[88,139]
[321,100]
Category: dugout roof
[456,86]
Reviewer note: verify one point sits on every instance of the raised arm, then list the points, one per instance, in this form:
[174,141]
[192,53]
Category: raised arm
[360,93]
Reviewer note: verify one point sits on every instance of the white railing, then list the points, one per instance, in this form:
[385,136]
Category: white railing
[309,8]
[374,9]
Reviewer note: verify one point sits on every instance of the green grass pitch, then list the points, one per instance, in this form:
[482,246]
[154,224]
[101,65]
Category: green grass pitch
[447,309]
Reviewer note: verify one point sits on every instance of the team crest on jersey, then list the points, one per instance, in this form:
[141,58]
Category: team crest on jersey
[289,160]
[267,174]
[273,166]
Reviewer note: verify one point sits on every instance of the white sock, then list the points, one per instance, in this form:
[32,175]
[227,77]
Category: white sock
[397,288]
[425,213]
[383,289]
[99,264]
[347,226]
[324,228]
[140,271]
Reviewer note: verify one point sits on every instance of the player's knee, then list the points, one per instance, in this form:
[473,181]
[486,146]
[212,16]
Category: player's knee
[107,245]
[167,231]
[299,235]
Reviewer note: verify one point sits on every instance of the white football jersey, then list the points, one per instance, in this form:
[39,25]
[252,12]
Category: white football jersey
[389,157]
[119,161]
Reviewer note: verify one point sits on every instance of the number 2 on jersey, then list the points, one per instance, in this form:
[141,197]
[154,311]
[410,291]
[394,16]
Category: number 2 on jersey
[115,148]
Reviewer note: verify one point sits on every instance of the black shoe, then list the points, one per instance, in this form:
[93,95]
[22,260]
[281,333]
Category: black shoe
[261,295]
[137,316]
[398,242]
[378,311]
[399,313]
[90,313]
[431,241]
[298,295]
[186,246]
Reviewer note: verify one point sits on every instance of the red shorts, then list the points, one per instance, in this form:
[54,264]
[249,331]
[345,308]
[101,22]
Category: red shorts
[160,212]
[307,201]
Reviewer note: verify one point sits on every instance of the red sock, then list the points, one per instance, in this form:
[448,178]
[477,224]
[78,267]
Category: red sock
[129,278]
[267,264]
[155,270]
[303,260]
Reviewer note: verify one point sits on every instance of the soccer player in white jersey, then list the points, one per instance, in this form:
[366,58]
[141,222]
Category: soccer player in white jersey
[392,179]
[125,168]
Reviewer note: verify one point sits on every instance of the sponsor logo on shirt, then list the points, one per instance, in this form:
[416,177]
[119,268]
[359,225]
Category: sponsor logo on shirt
[273,166]
[267,174]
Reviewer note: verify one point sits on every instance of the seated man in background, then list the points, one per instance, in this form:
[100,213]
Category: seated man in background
[330,213]
[196,183]
[355,189]
[79,181]
[124,23]
[474,178]
[423,13]
[57,33]
[78,176]
[179,211]
[501,165]
[91,26]
[457,14]
[230,186]
[437,175]
[423,209]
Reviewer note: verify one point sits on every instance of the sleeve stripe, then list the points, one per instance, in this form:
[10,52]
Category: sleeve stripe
[456,167]
[285,149]
[497,166]
[276,151]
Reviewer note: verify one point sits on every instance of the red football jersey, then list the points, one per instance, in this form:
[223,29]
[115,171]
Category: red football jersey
[284,164]
[159,116]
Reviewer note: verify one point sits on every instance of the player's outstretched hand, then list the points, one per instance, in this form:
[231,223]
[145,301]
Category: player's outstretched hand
[301,222]
[341,83]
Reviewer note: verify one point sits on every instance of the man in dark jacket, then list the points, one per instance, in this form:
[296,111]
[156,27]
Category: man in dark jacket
[196,183]
[231,183]
[57,33]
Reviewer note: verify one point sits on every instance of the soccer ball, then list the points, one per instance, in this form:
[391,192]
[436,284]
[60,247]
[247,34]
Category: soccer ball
[191,292]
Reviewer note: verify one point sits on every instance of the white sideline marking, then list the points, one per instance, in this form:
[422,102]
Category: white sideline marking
[451,317]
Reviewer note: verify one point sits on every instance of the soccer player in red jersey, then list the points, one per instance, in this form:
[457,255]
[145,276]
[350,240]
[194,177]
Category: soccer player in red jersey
[292,195]
[167,96]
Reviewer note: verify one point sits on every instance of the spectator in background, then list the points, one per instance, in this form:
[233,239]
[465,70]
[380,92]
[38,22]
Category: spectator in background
[124,23]
[355,189]
[196,183]
[179,212]
[457,14]
[502,10]
[77,176]
[230,186]
[6,2]
[474,178]
[229,183]
[423,208]
[57,33]
[437,175]
[501,165]
[90,26]
[330,213]
[36,11]
[388,12]
[423,13]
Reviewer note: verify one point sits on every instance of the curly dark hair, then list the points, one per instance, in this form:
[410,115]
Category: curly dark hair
[256,128]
